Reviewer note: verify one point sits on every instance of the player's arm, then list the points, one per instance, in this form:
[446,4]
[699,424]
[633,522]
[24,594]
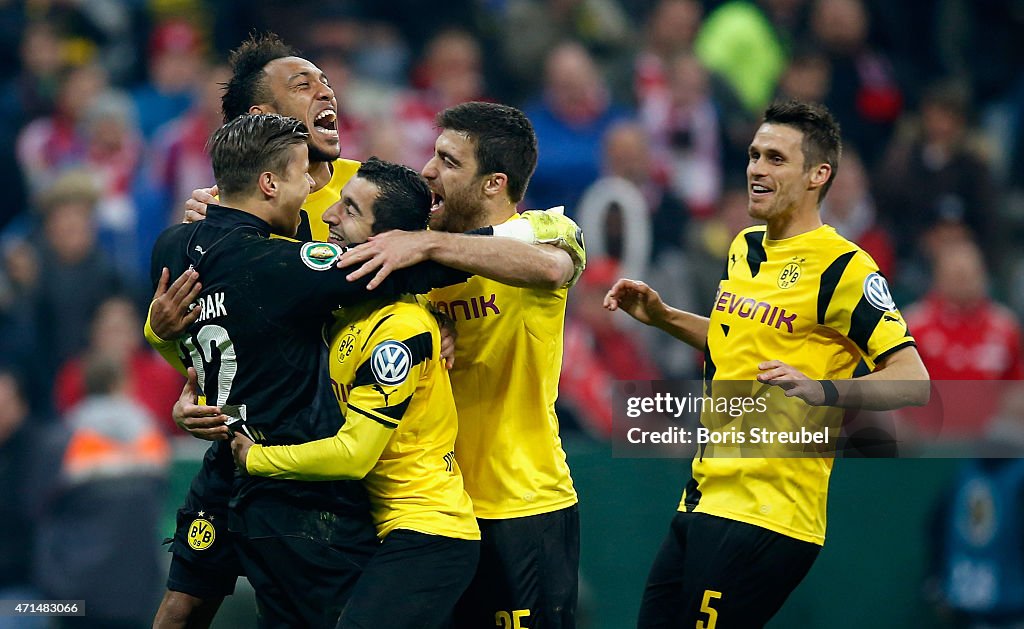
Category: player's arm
[302,278]
[170,314]
[899,380]
[380,394]
[541,250]
[644,304]
[350,454]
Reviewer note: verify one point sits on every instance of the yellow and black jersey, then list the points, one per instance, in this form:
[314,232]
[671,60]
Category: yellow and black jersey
[505,379]
[817,302]
[400,423]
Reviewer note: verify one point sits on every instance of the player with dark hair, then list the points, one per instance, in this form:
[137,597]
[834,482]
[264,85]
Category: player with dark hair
[749,528]
[399,432]
[257,350]
[510,319]
[267,77]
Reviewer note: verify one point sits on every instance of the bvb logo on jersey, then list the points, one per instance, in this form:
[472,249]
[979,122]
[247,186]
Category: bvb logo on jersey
[319,256]
[789,275]
[345,347]
[201,534]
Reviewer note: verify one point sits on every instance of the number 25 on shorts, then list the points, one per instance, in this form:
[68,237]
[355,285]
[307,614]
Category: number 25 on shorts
[706,608]
[514,620]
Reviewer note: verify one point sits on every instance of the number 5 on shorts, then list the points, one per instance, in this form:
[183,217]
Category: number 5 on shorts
[706,608]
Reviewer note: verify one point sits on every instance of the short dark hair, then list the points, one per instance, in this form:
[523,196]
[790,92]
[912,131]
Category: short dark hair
[252,144]
[822,143]
[504,138]
[248,86]
[403,198]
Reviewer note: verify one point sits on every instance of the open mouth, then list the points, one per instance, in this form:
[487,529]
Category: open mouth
[436,202]
[326,124]
[759,190]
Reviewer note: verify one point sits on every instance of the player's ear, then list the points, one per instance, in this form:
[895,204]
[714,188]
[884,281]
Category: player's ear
[268,184]
[495,183]
[259,109]
[820,175]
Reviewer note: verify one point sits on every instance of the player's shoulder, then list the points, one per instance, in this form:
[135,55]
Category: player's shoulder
[344,169]
[405,316]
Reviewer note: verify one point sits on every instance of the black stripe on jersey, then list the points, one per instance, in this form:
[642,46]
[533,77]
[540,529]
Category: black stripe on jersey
[379,420]
[709,365]
[829,281]
[396,411]
[891,351]
[692,495]
[420,346]
[377,325]
[755,251]
[725,329]
[863,322]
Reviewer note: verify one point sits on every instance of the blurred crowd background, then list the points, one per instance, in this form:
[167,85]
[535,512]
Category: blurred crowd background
[643,111]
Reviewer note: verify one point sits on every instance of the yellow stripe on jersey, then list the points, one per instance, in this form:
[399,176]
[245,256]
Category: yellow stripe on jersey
[387,374]
[507,361]
[817,302]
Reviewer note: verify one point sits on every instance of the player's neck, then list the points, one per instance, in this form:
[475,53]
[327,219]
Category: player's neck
[496,213]
[259,208]
[321,172]
[793,224]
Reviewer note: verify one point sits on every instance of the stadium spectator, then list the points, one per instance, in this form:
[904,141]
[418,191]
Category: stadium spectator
[22,461]
[74,275]
[936,175]
[864,91]
[850,208]
[176,160]
[175,63]
[688,134]
[113,467]
[965,335]
[745,42]
[47,145]
[531,29]
[598,351]
[671,29]
[449,74]
[149,380]
[570,119]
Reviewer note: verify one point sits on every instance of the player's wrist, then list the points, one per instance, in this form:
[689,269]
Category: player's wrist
[831,393]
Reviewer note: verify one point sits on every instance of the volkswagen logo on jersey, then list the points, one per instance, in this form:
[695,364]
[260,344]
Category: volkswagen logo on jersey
[390,362]
[876,291]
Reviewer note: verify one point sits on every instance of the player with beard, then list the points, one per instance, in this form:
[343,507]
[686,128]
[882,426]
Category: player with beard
[507,360]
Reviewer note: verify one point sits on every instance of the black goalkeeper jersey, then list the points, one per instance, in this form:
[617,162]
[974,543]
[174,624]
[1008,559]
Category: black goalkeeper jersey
[258,346]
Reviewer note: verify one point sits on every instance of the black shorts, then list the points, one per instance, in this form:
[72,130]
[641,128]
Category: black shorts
[302,563]
[204,561]
[528,574]
[714,569]
[413,582]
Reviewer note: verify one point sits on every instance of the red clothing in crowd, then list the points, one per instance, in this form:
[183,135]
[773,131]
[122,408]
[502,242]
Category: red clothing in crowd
[151,382]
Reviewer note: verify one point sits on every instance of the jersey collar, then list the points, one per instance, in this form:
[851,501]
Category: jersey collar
[230,217]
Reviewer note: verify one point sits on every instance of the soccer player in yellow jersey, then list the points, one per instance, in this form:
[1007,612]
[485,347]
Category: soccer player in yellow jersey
[799,307]
[399,431]
[509,320]
[267,77]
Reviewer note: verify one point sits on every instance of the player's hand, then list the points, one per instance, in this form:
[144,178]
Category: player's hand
[792,381]
[448,337]
[170,313]
[636,299]
[195,207]
[202,422]
[240,445]
[385,253]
